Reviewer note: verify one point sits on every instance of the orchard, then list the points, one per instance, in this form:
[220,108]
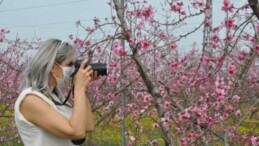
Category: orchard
[205,94]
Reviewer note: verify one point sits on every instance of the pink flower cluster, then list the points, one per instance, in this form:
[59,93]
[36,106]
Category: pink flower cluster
[214,41]
[145,13]
[145,44]
[205,60]
[231,69]
[229,23]
[173,46]
[198,4]
[3,32]
[227,6]
[177,6]
[118,49]
[241,55]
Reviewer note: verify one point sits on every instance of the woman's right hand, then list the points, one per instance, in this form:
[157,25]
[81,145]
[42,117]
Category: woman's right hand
[83,75]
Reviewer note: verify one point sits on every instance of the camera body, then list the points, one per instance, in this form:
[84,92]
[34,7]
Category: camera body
[100,68]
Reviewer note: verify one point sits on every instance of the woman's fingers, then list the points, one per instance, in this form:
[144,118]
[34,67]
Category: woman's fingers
[82,65]
[95,76]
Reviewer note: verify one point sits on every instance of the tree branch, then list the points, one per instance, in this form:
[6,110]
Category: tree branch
[255,7]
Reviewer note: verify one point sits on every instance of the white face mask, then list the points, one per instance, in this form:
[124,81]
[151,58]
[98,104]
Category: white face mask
[66,80]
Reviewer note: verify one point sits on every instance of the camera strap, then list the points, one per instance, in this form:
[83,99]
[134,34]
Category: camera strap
[53,100]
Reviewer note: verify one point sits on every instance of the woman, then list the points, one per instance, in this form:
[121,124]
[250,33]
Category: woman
[41,116]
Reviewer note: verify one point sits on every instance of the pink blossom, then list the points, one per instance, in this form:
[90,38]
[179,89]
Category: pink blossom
[114,65]
[147,12]
[183,13]
[241,55]
[89,30]
[2,37]
[176,7]
[184,142]
[154,142]
[78,43]
[229,108]
[220,99]
[216,29]
[3,32]
[98,48]
[201,4]
[207,23]
[143,110]
[238,113]
[144,44]
[256,48]
[236,98]
[110,103]
[155,125]
[147,98]
[129,143]
[166,104]
[140,25]
[131,13]
[227,7]
[118,49]
[174,65]
[186,115]
[191,134]
[173,46]
[120,52]
[161,87]
[162,35]
[229,23]
[96,20]
[232,69]
[131,41]
[254,141]
[87,42]
[112,78]
[165,120]
[231,129]
[214,38]
[114,19]
[197,111]
[229,38]
[253,40]
[139,14]
[132,138]
[205,60]
[110,96]
[220,92]
[139,34]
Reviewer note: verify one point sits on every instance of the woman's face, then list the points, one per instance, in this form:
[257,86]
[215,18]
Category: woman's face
[57,68]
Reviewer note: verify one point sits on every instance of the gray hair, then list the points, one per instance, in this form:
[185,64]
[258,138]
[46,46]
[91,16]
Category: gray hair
[52,51]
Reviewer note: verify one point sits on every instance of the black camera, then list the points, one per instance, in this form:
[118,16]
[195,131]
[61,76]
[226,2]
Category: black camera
[100,68]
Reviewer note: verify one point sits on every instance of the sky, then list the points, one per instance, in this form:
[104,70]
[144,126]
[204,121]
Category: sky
[45,19]
[49,18]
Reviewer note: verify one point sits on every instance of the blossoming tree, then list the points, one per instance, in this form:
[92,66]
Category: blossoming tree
[206,96]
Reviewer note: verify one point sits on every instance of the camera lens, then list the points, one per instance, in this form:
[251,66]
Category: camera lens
[100,68]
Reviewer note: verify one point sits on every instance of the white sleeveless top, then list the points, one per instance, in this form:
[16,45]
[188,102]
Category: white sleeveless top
[33,135]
